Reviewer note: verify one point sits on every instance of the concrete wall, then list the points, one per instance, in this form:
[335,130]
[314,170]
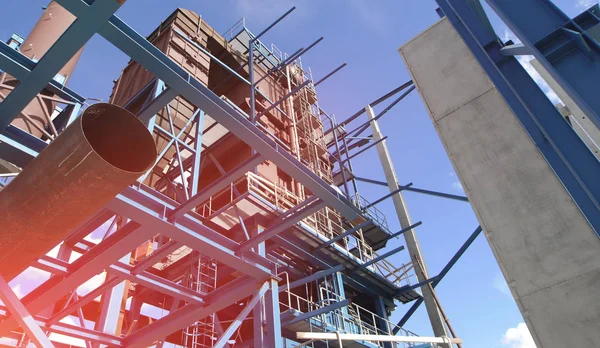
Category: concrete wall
[547,251]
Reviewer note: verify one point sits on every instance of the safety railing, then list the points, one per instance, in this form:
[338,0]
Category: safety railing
[326,222]
[374,213]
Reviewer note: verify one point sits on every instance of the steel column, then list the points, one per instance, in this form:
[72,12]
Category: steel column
[569,157]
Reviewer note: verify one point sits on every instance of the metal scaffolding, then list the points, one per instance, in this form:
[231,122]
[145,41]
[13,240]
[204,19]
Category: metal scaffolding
[308,267]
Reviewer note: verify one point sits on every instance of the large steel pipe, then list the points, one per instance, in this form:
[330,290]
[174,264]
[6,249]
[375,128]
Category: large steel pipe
[95,158]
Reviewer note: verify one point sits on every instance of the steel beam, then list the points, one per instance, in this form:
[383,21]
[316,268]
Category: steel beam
[237,322]
[312,277]
[379,258]
[398,190]
[378,338]
[317,312]
[83,28]
[142,206]
[214,188]
[561,44]
[394,235]
[19,66]
[180,318]
[88,265]
[273,338]
[281,226]
[20,313]
[440,276]
[158,254]
[324,78]
[162,99]
[133,44]
[344,235]
[568,156]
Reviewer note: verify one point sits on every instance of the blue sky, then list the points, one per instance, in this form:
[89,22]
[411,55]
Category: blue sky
[365,34]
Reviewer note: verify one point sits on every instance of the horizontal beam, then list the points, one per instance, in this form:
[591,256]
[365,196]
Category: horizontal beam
[19,66]
[417,190]
[317,312]
[312,277]
[226,295]
[394,235]
[281,226]
[73,331]
[25,320]
[378,258]
[214,188]
[402,188]
[378,338]
[94,262]
[343,235]
[148,208]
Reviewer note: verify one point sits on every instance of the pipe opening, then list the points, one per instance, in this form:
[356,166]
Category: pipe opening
[119,137]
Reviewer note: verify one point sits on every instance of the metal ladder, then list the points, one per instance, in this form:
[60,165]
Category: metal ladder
[203,279]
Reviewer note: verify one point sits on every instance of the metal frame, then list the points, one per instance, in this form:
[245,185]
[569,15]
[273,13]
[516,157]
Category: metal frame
[148,216]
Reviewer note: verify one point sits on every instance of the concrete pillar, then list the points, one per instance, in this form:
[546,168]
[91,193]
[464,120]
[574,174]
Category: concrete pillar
[412,243]
[548,253]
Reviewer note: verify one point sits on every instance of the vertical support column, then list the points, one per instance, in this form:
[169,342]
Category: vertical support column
[412,244]
[198,154]
[259,310]
[111,317]
[257,314]
[339,289]
[383,323]
[273,337]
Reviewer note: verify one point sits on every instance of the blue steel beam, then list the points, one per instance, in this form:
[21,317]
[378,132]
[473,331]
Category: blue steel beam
[312,277]
[561,45]
[148,209]
[379,258]
[404,230]
[237,322]
[417,190]
[134,45]
[440,276]
[570,158]
[343,235]
[281,226]
[215,187]
[227,295]
[19,66]
[317,312]
[83,28]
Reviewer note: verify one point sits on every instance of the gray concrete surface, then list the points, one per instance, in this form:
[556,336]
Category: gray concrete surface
[547,251]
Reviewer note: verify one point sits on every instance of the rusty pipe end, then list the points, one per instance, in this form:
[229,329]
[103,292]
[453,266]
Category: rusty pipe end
[119,137]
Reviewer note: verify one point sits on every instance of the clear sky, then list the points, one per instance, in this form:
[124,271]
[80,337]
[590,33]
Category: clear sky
[366,34]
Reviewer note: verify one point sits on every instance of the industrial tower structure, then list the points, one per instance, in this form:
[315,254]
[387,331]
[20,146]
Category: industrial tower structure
[225,211]
[247,228]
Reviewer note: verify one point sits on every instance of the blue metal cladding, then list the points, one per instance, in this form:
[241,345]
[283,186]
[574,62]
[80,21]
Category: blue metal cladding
[572,161]
[561,44]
